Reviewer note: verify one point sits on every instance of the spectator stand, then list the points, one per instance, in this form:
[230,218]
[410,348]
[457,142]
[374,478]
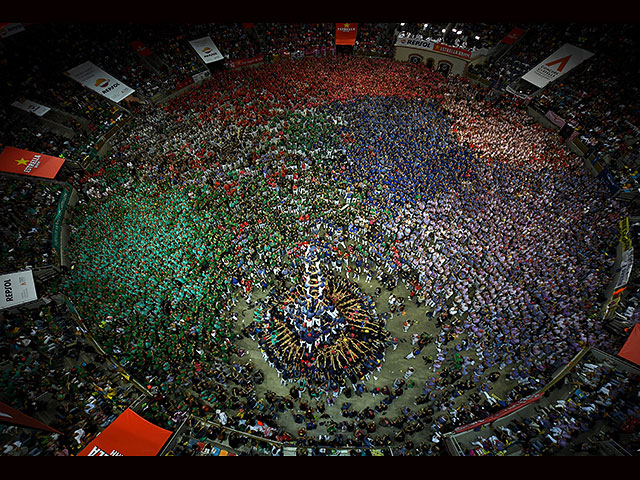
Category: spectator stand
[76,393]
[556,406]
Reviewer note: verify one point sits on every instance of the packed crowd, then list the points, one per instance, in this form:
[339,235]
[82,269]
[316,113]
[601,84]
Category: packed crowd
[180,323]
[52,373]
[415,181]
[597,100]
[599,403]
[26,229]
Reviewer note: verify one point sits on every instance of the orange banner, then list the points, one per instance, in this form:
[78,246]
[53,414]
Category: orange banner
[346,33]
[129,435]
[24,162]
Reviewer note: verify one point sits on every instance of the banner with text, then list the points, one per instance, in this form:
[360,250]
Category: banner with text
[25,162]
[207,50]
[129,435]
[346,33]
[8,29]
[31,107]
[96,79]
[559,63]
[455,51]
[17,288]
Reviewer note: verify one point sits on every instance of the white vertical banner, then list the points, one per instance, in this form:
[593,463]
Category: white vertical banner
[8,29]
[17,288]
[207,50]
[559,63]
[31,107]
[96,79]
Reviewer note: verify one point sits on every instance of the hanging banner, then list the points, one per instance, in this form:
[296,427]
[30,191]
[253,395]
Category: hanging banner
[562,61]
[207,50]
[17,288]
[625,268]
[25,162]
[455,51]
[31,107]
[346,33]
[8,29]
[96,79]
[405,41]
[512,36]
[11,415]
[631,349]
[129,435]
[140,48]
[523,402]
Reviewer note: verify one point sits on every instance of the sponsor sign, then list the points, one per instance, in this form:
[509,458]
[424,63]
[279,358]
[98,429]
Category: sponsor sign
[31,107]
[8,29]
[559,63]
[346,33]
[415,43]
[128,435]
[17,288]
[206,49]
[96,79]
[454,51]
[25,162]
[404,41]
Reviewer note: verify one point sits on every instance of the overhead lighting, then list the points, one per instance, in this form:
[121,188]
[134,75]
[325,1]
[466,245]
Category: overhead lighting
[402,24]
[459,32]
[453,30]
[444,30]
[477,37]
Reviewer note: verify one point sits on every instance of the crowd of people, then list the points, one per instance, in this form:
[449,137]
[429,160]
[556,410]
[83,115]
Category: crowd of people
[26,229]
[495,231]
[600,404]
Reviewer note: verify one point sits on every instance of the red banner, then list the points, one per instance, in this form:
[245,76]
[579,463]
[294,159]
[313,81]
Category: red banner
[631,348]
[25,162]
[244,62]
[346,33]
[514,35]
[455,51]
[11,415]
[504,412]
[141,48]
[129,435]
[247,26]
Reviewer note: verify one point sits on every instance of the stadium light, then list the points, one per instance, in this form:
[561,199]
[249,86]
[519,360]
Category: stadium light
[477,37]
[444,30]
[453,30]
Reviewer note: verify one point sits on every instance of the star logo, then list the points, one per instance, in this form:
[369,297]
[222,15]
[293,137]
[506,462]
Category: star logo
[346,25]
[22,161]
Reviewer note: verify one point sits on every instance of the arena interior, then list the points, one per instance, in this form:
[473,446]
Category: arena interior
[319,239]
